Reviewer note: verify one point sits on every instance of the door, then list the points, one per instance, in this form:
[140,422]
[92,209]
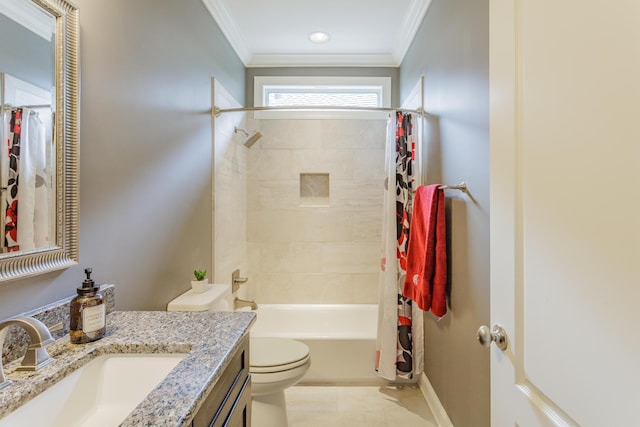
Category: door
[565,212]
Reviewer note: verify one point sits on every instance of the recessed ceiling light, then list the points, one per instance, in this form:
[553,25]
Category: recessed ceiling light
[319,37]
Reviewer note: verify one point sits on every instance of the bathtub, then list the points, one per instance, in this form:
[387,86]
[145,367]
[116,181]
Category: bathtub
[341,338]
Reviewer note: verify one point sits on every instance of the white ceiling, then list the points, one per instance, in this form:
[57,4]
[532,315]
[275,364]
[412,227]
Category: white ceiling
[267,33]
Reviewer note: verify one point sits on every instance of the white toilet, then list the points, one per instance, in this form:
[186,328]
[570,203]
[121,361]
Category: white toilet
[275,363]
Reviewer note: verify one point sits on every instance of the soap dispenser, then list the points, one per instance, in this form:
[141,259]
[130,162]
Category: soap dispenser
[88,313]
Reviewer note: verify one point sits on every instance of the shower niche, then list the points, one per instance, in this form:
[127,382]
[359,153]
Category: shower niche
[314,189]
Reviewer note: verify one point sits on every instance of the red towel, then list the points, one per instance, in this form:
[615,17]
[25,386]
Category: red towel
[426,281]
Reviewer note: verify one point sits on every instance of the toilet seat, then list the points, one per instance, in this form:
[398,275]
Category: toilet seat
[271,355]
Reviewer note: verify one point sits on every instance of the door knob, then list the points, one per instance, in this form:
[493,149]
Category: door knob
[498,335]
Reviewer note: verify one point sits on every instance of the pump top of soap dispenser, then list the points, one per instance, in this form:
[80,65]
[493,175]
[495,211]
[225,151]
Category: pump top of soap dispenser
[88,285]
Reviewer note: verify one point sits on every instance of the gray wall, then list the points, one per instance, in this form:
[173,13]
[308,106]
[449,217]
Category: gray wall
[451,50]
[145,163]
[324,71]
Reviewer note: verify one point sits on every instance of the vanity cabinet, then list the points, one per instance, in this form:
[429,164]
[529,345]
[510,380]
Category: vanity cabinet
[229,404]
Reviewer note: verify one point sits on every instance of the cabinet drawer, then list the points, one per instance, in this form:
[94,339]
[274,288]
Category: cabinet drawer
[240,415]
[221,401]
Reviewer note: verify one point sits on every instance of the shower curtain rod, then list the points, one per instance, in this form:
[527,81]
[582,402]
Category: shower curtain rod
[9,106]
[217,111]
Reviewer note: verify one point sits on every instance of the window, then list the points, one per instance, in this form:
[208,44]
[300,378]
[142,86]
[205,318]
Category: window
[282,91]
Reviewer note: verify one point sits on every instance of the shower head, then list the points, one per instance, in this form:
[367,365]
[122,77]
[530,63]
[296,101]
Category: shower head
[251,138]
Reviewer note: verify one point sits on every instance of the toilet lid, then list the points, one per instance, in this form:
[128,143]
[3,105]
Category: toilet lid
[276,354]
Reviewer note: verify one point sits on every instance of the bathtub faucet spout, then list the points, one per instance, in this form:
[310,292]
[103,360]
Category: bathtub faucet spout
[238,303]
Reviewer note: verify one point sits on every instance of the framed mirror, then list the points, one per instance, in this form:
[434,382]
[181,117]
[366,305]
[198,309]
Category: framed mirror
[39,95]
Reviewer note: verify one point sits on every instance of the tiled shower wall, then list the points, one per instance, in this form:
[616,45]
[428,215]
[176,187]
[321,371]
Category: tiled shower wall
[230,192]
[315,247]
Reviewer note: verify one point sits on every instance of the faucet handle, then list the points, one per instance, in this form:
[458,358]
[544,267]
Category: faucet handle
[56,327]
[236,280]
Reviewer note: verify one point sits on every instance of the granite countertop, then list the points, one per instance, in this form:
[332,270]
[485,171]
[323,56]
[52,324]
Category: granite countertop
[209,340]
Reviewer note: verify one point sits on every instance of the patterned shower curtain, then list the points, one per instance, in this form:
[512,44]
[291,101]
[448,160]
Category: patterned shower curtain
[400,336]
[27,180]
[11,208]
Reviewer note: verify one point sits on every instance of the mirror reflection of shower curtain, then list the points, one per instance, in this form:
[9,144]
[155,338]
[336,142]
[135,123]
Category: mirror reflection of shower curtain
[27,181]
[400,342]
[10,165]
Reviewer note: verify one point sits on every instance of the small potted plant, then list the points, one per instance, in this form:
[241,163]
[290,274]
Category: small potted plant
[200,284]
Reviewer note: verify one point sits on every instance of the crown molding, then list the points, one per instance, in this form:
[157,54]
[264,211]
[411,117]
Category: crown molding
[229,29]
[411,23]
[413,19]
[322,60]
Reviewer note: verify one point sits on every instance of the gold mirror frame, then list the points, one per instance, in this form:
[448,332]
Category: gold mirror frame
[65,252]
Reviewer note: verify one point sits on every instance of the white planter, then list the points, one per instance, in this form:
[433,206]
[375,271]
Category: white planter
[199,286]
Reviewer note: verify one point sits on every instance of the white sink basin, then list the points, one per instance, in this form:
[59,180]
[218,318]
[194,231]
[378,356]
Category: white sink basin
[101,393]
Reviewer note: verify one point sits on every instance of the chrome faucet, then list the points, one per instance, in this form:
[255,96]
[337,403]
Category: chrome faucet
[36,356]
[237,303]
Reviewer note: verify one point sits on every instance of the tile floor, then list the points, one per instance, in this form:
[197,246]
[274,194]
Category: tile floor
[355,406]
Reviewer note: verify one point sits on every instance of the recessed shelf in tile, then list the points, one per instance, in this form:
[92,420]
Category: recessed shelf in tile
[314,189]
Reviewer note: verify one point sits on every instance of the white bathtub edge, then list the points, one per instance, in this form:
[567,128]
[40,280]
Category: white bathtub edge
[341,339]
[438,411]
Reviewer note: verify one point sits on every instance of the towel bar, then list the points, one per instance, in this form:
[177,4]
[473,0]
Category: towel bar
[462,187]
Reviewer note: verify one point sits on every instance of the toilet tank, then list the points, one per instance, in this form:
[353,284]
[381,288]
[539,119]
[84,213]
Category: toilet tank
[217,297]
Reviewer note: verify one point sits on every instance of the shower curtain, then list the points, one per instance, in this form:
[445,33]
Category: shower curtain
[33,227]
[12,160]
[27,182]
[400,342]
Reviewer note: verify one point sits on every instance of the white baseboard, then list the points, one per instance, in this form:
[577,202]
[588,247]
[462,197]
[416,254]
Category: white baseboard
[440,415]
